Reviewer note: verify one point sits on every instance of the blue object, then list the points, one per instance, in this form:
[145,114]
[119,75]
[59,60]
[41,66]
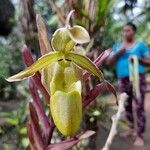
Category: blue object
[122,64]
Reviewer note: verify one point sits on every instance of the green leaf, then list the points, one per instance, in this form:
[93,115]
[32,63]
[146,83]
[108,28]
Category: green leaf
[79,34]
[23,130]
[41,63]
[25,142]
[12,121]
[96,113]
[53,20]
[84,62]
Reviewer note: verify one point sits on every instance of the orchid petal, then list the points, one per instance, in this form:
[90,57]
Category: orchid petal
[79,34]
[84,62]
[41,63]
[66,110]
[61,40]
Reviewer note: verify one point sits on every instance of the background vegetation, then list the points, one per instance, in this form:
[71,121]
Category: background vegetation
[102,18]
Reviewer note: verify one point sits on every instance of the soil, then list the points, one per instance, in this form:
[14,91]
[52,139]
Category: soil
[120,143]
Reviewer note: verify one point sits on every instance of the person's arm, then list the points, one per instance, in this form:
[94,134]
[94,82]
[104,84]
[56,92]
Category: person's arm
[113,57]
[145,61]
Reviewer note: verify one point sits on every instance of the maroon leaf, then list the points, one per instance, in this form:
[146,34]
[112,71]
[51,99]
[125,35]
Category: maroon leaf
[42,89]
[45,124]
[102,57]
[36,132]
[86,134]
[52,127]
[111,88]
[99,60]
[27,57]
[64,145]
[30,135]
[33,114]
[92,94]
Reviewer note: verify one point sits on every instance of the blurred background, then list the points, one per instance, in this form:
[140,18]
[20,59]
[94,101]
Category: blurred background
[102,18]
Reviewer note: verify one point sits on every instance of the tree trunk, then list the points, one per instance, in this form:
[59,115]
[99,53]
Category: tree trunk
[7,11]
[28,21]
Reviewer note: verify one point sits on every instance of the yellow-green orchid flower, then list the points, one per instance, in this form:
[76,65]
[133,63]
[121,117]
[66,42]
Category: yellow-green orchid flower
[65,83]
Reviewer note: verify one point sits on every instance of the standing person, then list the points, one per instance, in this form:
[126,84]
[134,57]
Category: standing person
[121,52]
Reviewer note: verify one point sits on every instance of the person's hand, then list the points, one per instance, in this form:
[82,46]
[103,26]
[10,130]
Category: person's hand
[145,61]
[122,50]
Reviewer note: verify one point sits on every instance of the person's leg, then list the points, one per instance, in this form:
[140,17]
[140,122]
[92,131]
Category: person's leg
[129,111]
[125,86]
[140,112]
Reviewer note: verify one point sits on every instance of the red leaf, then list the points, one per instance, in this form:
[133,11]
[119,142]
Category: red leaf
[36,132]
[42,89]
[111,88]
[99,60]
[45,124]
[86,134]
[102,57]
[92,94]
[64,145]
[30,135]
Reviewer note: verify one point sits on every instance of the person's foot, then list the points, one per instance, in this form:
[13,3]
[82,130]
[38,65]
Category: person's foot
[134,134]
[139,142]
[128,132]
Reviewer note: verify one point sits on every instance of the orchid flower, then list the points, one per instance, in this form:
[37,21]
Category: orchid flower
[60,65]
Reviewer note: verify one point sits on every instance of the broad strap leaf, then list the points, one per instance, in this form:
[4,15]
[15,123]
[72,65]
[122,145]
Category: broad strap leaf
[69,143]
[86,134]
[41,63]
[84,62]
[43,118]
[35,128]
[64,145]
[111,88]
[79,34]
[102,57]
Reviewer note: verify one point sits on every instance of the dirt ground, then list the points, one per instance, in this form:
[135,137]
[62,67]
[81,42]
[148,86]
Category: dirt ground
[120,143]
